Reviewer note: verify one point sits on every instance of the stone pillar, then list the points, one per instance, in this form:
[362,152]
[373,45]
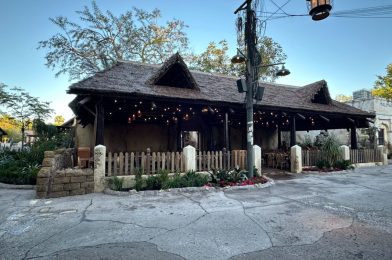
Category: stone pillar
[257,155]
[189,153]
[345,152]
[383,153]
[296,159]
[99,168]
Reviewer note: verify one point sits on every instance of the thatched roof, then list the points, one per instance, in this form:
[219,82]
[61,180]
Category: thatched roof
[139,79]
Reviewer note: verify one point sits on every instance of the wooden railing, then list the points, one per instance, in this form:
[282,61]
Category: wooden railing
[118,164]
[149,163]
[365,155]
[311,157]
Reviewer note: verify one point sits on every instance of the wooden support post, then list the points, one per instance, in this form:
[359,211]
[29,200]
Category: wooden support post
[354,142]
[100,124]
[279,136]
[226,132]
[179,139]
[293,138]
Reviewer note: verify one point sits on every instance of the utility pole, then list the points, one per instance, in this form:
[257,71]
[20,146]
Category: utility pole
[250,41]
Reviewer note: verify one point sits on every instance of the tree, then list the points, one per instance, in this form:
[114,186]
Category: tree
[383,85]
[58,120]
[215,59]
[100,39]
[25,108]
[343,98]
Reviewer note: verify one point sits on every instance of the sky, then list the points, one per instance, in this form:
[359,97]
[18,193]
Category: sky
[347,53]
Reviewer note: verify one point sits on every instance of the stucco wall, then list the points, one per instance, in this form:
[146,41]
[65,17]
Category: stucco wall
[383,110]
[120,138]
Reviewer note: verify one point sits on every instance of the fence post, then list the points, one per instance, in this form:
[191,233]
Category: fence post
[383,153]
[345,152]
[296,159]
[257,154]
[99,168]
[189,153]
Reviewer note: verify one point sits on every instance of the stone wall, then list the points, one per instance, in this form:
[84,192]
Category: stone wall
[57,178]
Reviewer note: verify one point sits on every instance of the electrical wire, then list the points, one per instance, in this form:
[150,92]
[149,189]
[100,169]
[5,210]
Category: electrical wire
[374,12]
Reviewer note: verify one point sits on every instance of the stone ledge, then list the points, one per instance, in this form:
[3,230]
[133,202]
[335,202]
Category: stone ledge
[16,187]
[189,189]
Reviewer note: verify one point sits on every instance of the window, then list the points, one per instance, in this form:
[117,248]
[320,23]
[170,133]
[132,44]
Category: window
[381,137]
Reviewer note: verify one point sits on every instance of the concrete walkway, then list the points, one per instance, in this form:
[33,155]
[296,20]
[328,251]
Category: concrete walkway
[338,216]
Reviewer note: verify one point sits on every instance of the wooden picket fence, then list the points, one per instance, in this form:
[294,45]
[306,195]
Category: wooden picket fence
[365,155]
[310,157]
[149,163]
[119,164]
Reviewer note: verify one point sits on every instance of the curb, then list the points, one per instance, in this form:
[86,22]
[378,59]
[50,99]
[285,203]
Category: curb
[189,189]
[16,187]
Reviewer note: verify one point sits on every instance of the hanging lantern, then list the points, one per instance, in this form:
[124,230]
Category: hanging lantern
[319,9]
[139,113]
[129,120]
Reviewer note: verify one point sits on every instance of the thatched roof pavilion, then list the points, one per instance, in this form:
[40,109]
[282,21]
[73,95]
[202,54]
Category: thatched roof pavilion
[171,94]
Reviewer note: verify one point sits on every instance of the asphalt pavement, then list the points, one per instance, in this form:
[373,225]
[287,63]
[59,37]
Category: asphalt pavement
[313,216]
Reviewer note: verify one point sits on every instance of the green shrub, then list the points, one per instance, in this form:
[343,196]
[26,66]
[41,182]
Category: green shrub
[153,182]
[192,179]
[116,183]
[323,164]
[343,165]
[235,175]
[139,182]
[176,181]
[164,179]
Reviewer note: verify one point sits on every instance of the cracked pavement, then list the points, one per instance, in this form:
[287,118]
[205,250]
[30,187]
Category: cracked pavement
[326,216]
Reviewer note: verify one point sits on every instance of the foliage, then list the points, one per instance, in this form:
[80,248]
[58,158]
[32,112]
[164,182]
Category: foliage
[58,120]
[100,39]
[18,167]
[383,85]
[25,108]
[307,143]
[215,59]
[193,179]
[139,183]
[162,180]
[323,164]
[330,149]
[224,176]
[21,167]
[12,127]
[320,139]
[343,165]
[116,183]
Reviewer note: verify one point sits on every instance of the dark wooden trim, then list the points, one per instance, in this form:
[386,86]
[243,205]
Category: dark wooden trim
[100,124]
[354,142]
[293,138]
[226,132]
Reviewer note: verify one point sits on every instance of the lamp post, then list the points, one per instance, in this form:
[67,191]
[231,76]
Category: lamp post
[319,10]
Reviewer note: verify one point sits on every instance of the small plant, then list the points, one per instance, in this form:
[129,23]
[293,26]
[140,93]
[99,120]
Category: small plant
[176,181]
[164,178]
[116,183]
[323,164]
[192,179]
[153,182]
[343,165]
[139,182]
